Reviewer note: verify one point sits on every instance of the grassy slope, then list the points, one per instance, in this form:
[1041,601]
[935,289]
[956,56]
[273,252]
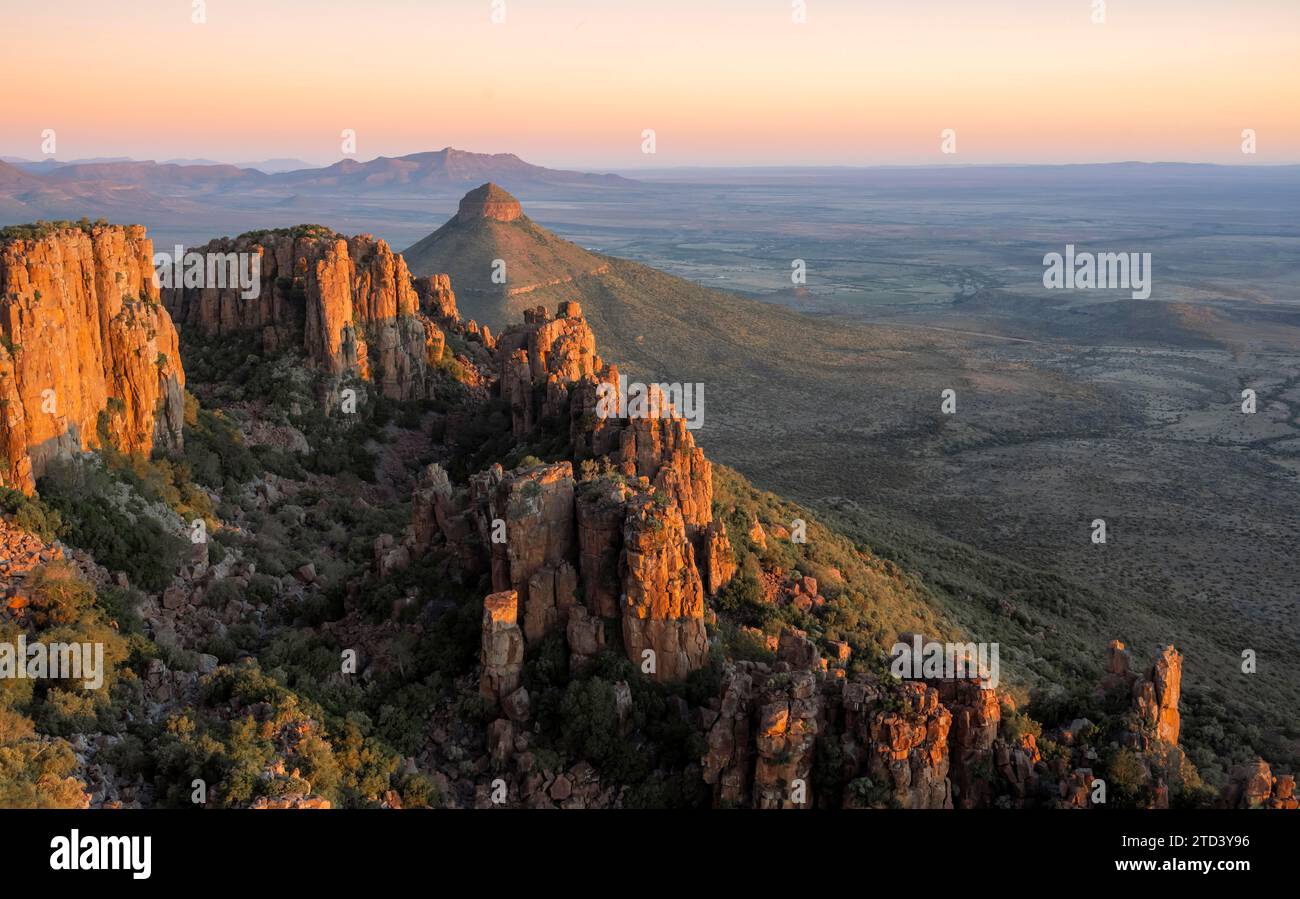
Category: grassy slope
[467,252]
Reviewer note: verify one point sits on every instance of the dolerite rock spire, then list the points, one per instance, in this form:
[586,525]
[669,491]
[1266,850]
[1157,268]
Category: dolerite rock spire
[535,508]
[1155,717]
[628,540]
[88,352]
[503,646]
[1156,698]
[540,361]
[663,604]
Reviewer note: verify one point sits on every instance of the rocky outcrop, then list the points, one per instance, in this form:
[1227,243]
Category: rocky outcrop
[663,451]
[622,544]
[585,634]
[976,715]
[349,303]
[717,561]
[489,202]
[891,740]
[1018,765]
[21,552]
[601,509]
[440,510]
[1155,717]
[1155,698]
[663,609]
[549,370]
[796,650]
[896,758]
[534,507]
[291,801]
[520,522]
[1255,786]
[788,723]
[552,593]
[437,299]
[1118,662]
[541,360]
[87,353]
[437,302]
[762,734]
[502,660]
[726,764]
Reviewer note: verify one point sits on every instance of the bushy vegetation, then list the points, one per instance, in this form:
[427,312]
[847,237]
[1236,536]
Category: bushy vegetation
[43,228]
[115,525]
[38,717]
[215,449]
[297,232]
[650,747]
[247,756]
[233,371]
[31,514]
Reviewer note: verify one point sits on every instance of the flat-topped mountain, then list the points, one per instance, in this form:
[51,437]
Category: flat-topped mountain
[489,202]
[501,260]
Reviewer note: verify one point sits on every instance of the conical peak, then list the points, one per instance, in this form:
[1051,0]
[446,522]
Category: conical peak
[489,202]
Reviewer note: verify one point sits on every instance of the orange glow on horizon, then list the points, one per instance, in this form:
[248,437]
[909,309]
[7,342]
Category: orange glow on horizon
[725,83]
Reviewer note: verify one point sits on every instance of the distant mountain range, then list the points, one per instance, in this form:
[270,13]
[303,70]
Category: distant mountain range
[444,168]
[112,187]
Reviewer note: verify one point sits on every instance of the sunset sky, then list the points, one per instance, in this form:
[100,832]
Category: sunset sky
[722,82]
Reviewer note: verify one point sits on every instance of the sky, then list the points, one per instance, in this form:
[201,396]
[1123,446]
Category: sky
[720,82]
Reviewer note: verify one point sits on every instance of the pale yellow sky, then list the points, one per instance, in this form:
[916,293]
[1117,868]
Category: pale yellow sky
[575,83]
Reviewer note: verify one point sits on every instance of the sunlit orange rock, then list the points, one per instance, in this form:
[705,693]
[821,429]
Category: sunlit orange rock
[87,352]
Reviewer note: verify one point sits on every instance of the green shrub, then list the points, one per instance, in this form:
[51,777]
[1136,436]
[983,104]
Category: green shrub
[31,514]
[135,543]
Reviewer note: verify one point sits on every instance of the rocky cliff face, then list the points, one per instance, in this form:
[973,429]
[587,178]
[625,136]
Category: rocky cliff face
[437,299]
[623,541]
[663,608]
[1255,786]
[1154,718]
[620,534]
[541,361]
[503,646]
[938,743]
[88,352]
[349,303]
[976,715]
[489,202]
